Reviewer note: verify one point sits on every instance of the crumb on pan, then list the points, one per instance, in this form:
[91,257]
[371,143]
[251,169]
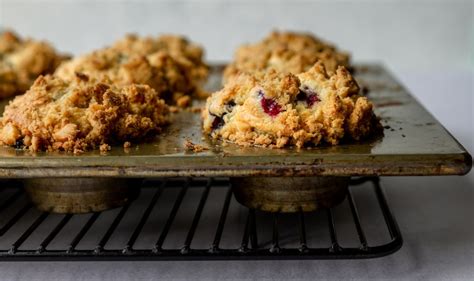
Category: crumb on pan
[190,146]
[183,101]
[127,146]
[104,148]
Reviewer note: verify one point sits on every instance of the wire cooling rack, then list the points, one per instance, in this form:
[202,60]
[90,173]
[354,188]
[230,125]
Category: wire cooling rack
[198,219]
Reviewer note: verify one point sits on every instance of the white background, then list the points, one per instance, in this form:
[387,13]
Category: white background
[405,34]
[427,44]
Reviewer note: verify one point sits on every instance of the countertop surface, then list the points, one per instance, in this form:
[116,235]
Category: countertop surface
[434,215]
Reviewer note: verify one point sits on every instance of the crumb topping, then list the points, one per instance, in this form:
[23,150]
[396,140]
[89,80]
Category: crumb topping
[171,65]
[81,114]
[22,61]
[286,52]
[190,146]
[274,109]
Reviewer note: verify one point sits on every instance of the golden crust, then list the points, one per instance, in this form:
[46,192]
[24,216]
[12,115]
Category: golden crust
[276,110]
[22,61]
[81,114]
[109,64]
[169,64]
[286,52]
[187,54]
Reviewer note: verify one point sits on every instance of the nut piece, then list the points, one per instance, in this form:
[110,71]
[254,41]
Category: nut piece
[68,132]
[9,134]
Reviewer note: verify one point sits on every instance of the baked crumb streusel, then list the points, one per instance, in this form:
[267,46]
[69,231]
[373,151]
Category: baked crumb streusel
[22,61]
[169,64]
[274,109]
[81,114]
[187,54]
[286,52]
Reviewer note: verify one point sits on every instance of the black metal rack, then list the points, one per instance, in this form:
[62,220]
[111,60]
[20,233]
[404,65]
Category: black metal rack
[27,234]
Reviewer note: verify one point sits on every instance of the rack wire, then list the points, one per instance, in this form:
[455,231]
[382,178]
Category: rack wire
[27,234]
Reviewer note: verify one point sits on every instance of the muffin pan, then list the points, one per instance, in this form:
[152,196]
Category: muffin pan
[413,143]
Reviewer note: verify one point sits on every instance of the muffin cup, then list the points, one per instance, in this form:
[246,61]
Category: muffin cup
[290,194]
[81,195]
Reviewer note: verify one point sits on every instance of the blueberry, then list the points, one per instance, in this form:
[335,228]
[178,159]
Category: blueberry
[312,99]
[217,122]
[270,107]
[229,106]
[301,96]
[308,95]
[19,144]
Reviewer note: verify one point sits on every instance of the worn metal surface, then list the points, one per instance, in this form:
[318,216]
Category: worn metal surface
[289,194]
[414,143]
[80,195]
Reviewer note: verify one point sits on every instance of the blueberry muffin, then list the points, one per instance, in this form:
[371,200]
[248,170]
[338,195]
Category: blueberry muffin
[275,109]
[171,65]
[22,61]
[81,114]
[286,52]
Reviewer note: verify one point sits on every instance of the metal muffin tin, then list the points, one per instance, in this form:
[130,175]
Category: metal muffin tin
[414,143]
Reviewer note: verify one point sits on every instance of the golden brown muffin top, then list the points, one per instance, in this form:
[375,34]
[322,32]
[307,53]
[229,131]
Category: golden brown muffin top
[22,61]
[81,114]
[275,109]
[188,54]
[171,65]
[286,52]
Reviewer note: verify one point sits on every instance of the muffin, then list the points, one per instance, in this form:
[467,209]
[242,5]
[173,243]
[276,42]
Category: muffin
[169,64]
[22,61]
[187,54]
[275,109]
[286,52]
[81,114]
